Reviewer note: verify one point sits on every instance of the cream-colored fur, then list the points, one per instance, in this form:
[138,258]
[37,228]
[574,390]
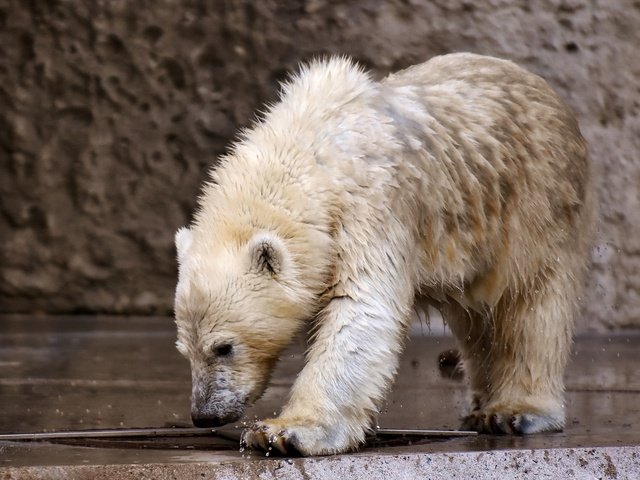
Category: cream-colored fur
[463,181]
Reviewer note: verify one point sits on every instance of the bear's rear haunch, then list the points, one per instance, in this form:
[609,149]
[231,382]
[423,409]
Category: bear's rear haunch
[463,182]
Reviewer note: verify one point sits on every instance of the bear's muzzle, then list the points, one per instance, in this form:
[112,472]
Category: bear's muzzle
[200,420]
[212,407]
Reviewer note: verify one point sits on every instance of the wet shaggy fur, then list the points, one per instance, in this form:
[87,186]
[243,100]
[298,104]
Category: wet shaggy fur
[462,182]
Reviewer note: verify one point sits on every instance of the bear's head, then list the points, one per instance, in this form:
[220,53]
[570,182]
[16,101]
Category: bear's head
[238,303]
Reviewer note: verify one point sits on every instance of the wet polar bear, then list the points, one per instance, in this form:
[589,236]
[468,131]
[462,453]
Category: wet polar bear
[463,181]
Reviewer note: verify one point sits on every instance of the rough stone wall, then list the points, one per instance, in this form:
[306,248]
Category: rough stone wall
[112,111]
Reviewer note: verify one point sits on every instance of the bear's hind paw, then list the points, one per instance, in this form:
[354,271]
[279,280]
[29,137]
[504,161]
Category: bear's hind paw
[512,423]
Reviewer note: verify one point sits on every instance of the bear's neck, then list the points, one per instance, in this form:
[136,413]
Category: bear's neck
[281,177]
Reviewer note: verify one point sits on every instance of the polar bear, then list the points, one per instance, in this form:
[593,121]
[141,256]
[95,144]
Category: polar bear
[463,182]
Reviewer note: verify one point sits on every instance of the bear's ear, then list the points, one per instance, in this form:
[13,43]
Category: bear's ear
[267,254]
[184,239]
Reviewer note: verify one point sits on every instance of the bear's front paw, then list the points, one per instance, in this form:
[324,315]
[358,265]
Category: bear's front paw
[294,438]
[505,421]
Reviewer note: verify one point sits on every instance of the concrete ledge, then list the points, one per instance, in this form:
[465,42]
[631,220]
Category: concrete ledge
[72,373]
[564,463]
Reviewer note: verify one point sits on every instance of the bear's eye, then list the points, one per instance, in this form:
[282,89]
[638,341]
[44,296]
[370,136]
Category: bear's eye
[223,350]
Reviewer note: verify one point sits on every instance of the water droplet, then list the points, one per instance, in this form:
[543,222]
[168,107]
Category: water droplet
[266,454]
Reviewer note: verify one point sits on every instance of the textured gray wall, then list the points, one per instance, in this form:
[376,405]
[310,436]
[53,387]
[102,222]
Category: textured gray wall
[111,111]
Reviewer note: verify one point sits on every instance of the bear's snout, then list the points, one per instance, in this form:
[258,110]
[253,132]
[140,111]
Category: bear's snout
[212,408]
[204,421]
[216,417]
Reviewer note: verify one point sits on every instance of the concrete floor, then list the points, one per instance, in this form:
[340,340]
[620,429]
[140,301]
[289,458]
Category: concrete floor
[63,373]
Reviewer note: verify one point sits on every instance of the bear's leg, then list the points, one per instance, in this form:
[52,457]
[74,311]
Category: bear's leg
[474,341]
[516,356]
[353,357]
[349,368]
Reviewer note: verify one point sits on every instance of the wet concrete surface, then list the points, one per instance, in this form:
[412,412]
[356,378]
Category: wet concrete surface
[69,373]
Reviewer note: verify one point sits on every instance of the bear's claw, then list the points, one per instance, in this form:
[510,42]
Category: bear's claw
[511,423]
[263,436]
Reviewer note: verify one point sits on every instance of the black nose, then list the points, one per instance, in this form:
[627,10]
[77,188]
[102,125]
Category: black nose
[206,422]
